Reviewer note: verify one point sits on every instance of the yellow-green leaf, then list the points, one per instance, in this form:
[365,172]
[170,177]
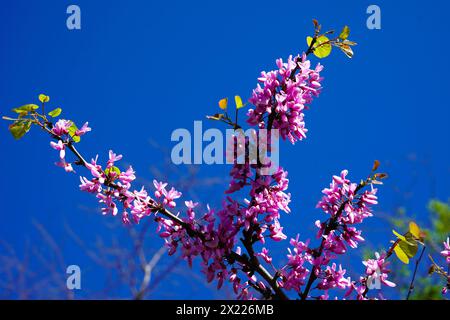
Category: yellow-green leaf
[398,235]
[26,108]
[54,113]
[73,128]
[322,46]
[43,98]
[223,103]
[414,229]
[238,101]
[401,255]
[113,169]
[410,246]
[345,33]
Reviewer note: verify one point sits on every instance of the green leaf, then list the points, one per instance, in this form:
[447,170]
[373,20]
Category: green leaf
[113,169]
[54,113]
[43,98]
[238,101]
[344,33]
[322,46]
[19,128]
[398,235]
[73,128]
[410,246]
[401,255]
[414,229]
[26,108]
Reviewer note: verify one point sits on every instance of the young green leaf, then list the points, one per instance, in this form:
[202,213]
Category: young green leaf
[410,246]
[19,128]
[113,169]
[54,113]
[238,101]
[26,108]
[73,128]
[414,229]
[401,255]
[322,47]
[398,235]
[344,33]
[43,98]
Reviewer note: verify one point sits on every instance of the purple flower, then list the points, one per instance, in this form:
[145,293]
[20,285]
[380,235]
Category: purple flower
[61,127]
[83,130]
[446,252]
[376,269]
[59,146]
[283,96]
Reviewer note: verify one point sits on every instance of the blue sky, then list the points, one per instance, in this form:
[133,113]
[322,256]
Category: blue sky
[137,70]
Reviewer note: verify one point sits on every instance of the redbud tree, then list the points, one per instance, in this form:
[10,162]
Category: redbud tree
[224,239]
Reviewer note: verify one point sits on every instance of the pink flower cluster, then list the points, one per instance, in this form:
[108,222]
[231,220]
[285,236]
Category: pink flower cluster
[345,208]
[268,198]
[375,275]
[61,131]
[284,94]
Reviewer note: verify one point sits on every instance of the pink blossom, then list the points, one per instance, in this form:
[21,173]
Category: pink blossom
[265,255]
[59,146]
[113,158]
[288,95]
[377,269]
[276,231]
[446,251]
[63,164]
[61,127]
[83,130]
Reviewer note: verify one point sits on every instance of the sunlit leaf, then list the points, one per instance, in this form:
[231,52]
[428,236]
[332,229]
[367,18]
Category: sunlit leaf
[43,98]
[322,46]
[54,113]
[223,103]
[398,235]
[73,128]
[19,129]
[401,255]
[26,108]
[238,101]
[410,246]
[113,169]
[344,33]
[414,229]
